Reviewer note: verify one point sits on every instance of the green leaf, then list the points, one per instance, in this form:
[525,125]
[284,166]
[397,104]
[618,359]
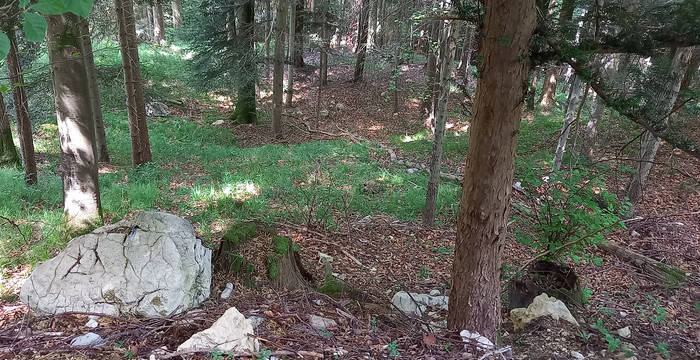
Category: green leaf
[50,7]
[4,45]
[597,261]
[34,26]
[79,7]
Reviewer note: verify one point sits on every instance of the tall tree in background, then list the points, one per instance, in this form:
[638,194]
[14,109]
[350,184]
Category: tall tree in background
[158,22]
[432,73]
[290,52]
[96,108]
[447,53]
[176,6]
[362,26]
[76,128]
[278,73]
[246,110]
[8,152]
[549,88]
[325,41]
[597,110]
[19,96]
[299,34]
[136,106]
[488,176]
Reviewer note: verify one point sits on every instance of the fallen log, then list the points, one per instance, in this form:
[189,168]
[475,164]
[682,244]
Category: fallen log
[668,275]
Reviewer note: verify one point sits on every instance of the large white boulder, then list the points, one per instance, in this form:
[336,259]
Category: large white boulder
[542,305]
[151,266]
[228,333]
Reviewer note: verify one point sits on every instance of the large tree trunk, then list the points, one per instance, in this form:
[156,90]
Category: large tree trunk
[158,23]
[665,100]
[19,96]
[592,128]
[571,106]
[299,35]
[8,152]
[76,128]
[549,88]
[447,53]
[245,105]
[278,76]
[176,6]
[290,53]
[136,107]
[95,105]
[488,176]
[362,26]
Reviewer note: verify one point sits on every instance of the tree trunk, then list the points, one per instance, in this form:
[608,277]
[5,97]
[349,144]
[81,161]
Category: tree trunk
[278,73]
[379,32]
[290,53]
[571,106]
[691,71]
[158,23]
[176,6]
[149,18]
[268,35]
[362,26]
[665,100]
[8,152]
[245,104]
[136,107]
[447,53]
[325,45]
[76,128]
[592,128]
[531,92]
[95,105]
[299,35]
[372,28]
[549,88]
[19,96]
[432,83]
[488,176]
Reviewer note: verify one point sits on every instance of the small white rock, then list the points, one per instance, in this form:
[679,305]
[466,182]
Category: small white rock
[635,234]
[625,332]
[88,340]
[434,292]
[481,341]
[217,123]
[577,355]
[339,276]
[411,170]
[324,258]
[318,302]
[227,291]
[319,323]
[623,313]
[92,322]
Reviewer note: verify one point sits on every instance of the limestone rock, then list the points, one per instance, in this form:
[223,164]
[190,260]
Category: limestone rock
[157,109]
[92,322]
[88,340]
[414,304]
[543,305]
[319,323]
[625,332]
[228,333]
[219,122]
[227,291]
[577,355]
[474,337]
[150,266]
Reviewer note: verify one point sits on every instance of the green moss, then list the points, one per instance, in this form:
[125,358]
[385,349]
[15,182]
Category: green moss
[273,265]
[237,263]
[281,244]
[239,233]
[673,277]
[156,301]
[331,286]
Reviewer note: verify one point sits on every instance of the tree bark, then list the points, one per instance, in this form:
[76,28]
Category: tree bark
[592,128]
[150,20]
[95,106]
[531,92]
[278,73]
[488,176]
[136,107]
[299,35]
[76,128]
[447,54]
[176,6]
[290,53]
[432,81]
[362,27]
[372,28]
[158,23]
[8,152]
[246,112]
[571,106]
[268,35]
[325,45]
[19,97]
[665,101]
[466,55]
[549,88]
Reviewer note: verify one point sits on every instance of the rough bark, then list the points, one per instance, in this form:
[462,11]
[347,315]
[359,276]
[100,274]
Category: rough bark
[447,54]
[95,105]
[76,128]
[176,6]
[467,51]
[278,73]
[372,29]
[8,152]
[531,92]
[432,81]
[665,100]
[299,35]
[136,107]
[246,112]
[362,29]
[549,88]
[290,53]
[19,97]
[571,106]
[592,128]
[158,23]
[488,175]
[691,72]
[149,20]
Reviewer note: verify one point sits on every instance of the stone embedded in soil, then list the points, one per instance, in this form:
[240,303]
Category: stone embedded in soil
[150,266]
[543,305]
[625,332]
[414,304]
[320,323]
[228,333]
[227,291]
[88,340]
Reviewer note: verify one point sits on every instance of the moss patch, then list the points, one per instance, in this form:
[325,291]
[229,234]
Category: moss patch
[281,246]
[331,286]
[239,233]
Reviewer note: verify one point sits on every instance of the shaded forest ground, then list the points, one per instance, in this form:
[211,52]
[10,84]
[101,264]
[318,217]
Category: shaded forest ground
[332,188]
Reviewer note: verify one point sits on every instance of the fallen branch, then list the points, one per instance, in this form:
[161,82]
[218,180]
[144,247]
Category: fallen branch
[667,274]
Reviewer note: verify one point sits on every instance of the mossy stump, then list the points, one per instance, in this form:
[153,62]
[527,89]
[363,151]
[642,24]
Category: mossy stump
[284,265]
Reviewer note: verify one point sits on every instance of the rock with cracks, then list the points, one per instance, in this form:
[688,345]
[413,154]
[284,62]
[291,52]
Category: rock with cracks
[543,305]
[415,305]
[231,332]
[157,109]
[150,266]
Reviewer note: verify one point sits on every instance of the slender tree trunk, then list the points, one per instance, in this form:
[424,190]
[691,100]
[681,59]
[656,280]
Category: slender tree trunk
[246,112]
[571,106]
[379,32]
[447,54]
[277,80]
[150,19]
[467,51]
[290,52]
[592,128]
[19,96]
[549,88]
[325,46]
[531,92]
[76,128]
[691,71]
[158,23]
[372,29]
[488,177]
[176,6]
[432,81]
[268,35]
[95,106]
[136,106]
[299,35]
[650,144]
[362,25]
[8,152]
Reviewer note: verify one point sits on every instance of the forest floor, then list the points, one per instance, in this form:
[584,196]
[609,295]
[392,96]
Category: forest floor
[331,186]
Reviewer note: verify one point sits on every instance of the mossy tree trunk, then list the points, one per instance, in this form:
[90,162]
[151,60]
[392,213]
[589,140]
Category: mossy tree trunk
[8,152]
[285,268]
